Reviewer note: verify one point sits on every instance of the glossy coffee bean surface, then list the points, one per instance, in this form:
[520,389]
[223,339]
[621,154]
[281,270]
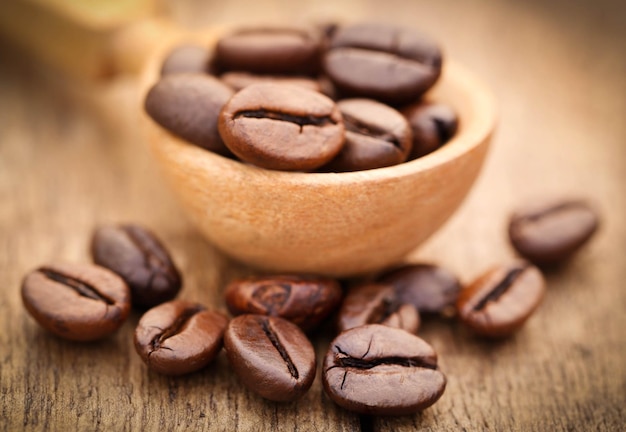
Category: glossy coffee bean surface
[430,288]
[383,62]
[187,59]
[305,301]
[374,369]
[135,253]
[376,304]
[179,337]
[80,302]
[376,136]
[282,127]
[552,231]
[499,302]
[188,105]
[432,124]
[269,50]
[271,356]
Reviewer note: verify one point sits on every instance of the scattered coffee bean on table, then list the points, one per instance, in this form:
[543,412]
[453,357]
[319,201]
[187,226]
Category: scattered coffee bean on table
[80,302]
[179,337]
[430,288]
[282,127]
[140,259]
[374,369]
[552,231]
[305,301]
[271,356]
[500,301]
[188,106]
[376,304]
[376,136]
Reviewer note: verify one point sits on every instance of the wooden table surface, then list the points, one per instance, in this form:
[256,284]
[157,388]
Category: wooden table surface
[71,158]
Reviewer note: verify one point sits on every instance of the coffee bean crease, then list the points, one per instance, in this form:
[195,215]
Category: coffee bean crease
[353,124]
[306,120]
[81,287]
[500,288]
[271,335]
[177,327]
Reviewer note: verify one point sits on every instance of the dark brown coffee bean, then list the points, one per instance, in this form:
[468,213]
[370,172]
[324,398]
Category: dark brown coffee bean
[380,370]
[187,59]
[79,302]
[550,232]
[382,62]
[432,124]
[140,259]
[305,301]
[188,106]
[282,127]
[269,50]
[376,136]
[430,288]
[376,304]
[240,80]
[271,356]
[179,337]
[500,301]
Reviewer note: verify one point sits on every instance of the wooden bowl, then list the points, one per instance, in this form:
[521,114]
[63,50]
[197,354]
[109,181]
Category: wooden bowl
[336,224]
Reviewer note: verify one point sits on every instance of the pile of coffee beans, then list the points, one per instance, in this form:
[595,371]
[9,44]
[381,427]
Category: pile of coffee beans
[375,365]
[331,99]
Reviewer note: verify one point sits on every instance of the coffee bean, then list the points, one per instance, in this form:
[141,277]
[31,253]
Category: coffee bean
[382,62]
[140,259]
[376,136]
[305,301]
[376,304]
[430,288]
[552,231]
[432,124]
[269,50]
[240,80]
[79,302]
[271,356]
[500,301]
[187,59]
[188,105]
[282,127]
[179,337]
[374,369]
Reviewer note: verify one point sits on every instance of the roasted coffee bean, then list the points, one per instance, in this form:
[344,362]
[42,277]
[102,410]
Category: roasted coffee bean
[271,356]
[79,302]
[188,105]
[432,124]
[179,337]
[140,259]
[380,370]
[305,301]
[550,232]
[382,62]
[500,301]
[430,288]
[240,80]
[282,127]
[376,304]
[269,50]
[376,136]
[187,59]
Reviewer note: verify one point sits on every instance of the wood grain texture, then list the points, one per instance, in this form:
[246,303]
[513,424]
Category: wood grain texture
[71,157]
